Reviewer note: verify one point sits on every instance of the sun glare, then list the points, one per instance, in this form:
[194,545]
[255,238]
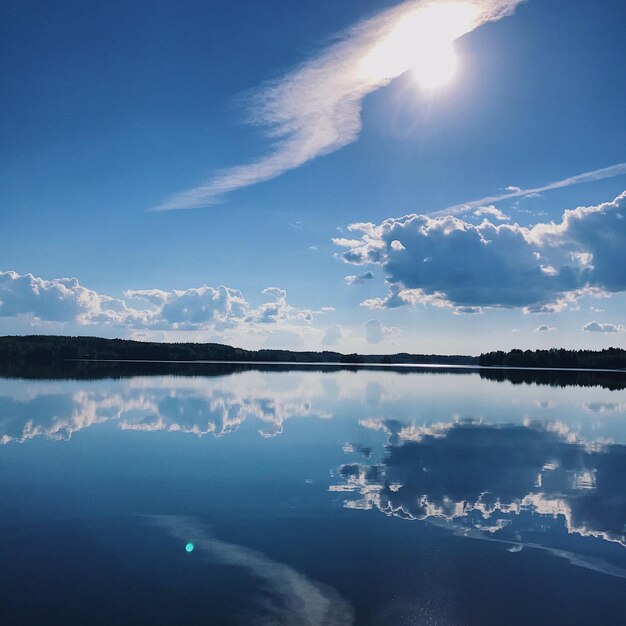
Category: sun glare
[423,42]
[436,68]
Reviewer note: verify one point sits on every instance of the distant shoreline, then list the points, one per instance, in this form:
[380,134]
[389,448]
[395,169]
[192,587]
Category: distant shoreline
[341,365]
[48,350]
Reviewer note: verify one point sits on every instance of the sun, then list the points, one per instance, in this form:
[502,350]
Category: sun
[423,42]
[435,69]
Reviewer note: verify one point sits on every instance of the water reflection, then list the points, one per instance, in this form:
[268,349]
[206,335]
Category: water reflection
[292,597]
[220,404]
[177,406]
[98,370]
[558,378]
[251,456]
[536,483]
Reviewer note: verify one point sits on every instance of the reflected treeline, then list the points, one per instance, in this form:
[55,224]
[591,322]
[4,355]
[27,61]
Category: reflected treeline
[98,370]
[557,378]
[531,484]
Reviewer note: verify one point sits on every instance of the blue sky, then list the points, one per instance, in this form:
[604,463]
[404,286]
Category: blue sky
[111,109]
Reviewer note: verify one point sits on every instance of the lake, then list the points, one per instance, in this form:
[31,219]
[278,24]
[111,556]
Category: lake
[243,495]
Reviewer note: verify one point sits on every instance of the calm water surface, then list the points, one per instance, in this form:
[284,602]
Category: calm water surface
[313,497]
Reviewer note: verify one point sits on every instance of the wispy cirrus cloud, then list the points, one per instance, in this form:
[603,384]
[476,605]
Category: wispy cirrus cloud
[315,109]
[516,192]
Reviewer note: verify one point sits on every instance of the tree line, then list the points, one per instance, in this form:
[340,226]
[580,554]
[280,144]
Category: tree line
[45,349]
[610,358]
[49,349]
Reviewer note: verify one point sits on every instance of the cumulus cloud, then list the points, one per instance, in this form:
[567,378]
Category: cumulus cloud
[493,212]
[544,328]
[316,108]
[61,300]
[597,327]
[359,279]
[155,296]
[277,311]
[199,308]
[375,332]
[449,262]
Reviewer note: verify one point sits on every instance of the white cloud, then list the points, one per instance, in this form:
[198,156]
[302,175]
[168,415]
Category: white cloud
[597,327]
[448,262]
[332,336]
[199,307]
[279,310]
[493,212]
[315,109]
[360,279]
[375,332]
[155,296]
[60,300]
[64,300]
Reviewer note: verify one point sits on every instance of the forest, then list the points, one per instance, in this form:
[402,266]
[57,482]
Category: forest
[610,358]
[49,349]
[45,349]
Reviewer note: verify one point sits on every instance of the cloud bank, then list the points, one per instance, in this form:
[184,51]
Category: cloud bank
[449,262]
[65,300]
[315,109]
[597,327]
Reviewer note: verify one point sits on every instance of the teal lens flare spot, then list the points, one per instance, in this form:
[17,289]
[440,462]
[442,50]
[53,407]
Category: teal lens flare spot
[189,547]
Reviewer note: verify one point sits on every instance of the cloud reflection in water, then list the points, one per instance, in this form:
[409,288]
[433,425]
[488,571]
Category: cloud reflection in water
[523,484]
[190,406]
[293,598]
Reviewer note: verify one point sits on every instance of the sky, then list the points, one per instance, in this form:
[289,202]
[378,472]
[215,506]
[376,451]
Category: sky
[436,176]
